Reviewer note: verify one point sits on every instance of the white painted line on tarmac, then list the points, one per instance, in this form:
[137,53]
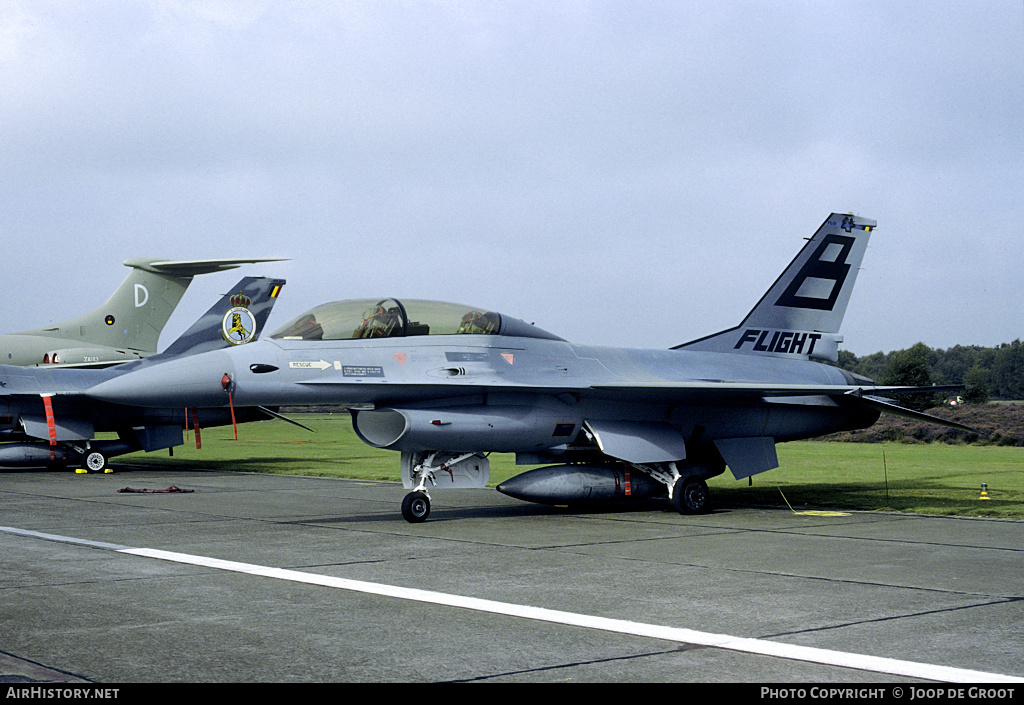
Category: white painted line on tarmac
[762,647]
[687,636]
[61,539]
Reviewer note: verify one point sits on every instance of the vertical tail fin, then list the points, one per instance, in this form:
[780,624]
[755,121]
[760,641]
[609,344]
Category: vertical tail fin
[237,318]
[135,314]
[800,315]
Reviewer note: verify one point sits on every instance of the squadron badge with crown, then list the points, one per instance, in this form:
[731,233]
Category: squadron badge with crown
[239,325]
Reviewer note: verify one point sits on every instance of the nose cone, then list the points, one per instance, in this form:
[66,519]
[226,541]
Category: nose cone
[189,381]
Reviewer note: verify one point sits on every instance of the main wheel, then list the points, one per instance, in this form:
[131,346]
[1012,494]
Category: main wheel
[690,495]
[416,507]
[95,461]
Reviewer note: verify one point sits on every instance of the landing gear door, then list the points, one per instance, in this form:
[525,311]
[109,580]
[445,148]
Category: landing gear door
[449,471]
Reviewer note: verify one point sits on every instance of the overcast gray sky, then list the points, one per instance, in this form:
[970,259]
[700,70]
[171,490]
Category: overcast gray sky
[621,173]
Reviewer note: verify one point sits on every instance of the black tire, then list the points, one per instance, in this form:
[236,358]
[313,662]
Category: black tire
[95,461]
[690,495]
[416,507]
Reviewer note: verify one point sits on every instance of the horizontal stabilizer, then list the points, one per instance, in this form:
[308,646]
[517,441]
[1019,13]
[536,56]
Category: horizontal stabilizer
[191,267]
[888,407]
[933,389]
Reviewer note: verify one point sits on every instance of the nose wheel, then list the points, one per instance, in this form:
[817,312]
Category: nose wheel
[416,507]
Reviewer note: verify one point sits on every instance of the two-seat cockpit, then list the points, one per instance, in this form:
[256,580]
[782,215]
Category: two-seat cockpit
[390,318]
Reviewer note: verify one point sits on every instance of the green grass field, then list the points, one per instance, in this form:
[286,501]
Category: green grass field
[931,478]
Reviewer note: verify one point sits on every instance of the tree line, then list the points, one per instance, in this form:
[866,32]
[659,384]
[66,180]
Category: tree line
[993,373]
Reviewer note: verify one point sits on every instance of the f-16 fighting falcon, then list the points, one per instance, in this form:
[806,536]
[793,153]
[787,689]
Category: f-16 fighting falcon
[46,420]
[446,384]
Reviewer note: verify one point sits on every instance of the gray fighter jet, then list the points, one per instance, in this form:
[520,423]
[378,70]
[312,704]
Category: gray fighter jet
[446,384]
[46,420]
[126,327]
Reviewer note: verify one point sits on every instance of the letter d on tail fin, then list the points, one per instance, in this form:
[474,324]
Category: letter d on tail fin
[800,315]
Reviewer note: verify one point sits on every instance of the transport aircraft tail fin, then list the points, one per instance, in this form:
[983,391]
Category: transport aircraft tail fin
[134,315]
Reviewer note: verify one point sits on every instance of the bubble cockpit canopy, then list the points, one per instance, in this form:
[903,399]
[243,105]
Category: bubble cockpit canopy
[389,318]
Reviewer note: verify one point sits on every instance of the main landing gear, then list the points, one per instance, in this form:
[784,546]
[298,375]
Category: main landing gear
[690,495]
[687,490]
[684,482]
[95,461]
[91,459]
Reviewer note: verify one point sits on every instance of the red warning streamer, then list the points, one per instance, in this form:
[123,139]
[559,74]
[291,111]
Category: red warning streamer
[233,424]
[225,382]
[195,427]
[51,426]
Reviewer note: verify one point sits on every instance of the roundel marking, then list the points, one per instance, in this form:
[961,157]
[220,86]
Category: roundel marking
[238,326]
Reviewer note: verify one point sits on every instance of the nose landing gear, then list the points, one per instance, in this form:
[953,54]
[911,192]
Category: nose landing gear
[416,507]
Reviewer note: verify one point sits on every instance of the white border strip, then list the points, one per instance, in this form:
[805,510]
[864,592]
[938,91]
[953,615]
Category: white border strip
[688,636]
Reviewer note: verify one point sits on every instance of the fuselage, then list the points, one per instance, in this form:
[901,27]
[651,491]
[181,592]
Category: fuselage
[574,382]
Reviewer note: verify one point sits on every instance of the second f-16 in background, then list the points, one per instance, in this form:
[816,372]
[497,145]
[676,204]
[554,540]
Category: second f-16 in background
[45,420]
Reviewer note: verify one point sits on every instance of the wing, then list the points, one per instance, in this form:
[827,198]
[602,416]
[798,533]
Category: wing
[721,391]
